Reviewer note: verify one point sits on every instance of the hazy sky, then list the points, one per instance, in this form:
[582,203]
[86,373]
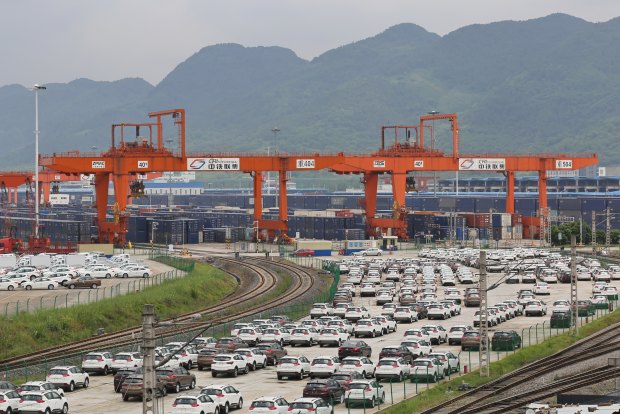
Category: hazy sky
[47,41]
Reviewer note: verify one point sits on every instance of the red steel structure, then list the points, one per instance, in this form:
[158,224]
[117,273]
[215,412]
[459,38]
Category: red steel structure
[406,153]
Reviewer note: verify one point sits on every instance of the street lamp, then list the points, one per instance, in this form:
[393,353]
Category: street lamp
[36,88]
[275,131]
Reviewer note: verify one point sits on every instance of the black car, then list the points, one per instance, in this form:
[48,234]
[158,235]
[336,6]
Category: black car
[561,319]
[354,348]
[121,374]
[328,389]
[505,341]
[344,378]
[397,351]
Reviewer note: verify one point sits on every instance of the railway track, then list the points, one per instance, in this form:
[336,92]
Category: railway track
[256,277]
[601,343]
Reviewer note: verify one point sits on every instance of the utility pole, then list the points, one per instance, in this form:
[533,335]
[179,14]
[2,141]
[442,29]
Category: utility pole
[594,232]
[149,403]
[607,229]
[573,284]
[484,320]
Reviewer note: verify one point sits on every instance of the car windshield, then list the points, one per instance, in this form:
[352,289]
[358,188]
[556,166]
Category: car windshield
[186,401]
[124,357]
[30,388]
[350,362]
[419,363]
[301,405]
[386,362]
[316,385]
[358,385]
[262,404]
[322,361]
[32,397]
[222,358]
[211,391]
[349,344]
[58,371]
[288,360]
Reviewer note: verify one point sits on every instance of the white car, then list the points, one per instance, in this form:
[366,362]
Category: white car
[368,289]
[310,406]
[135,271]
[190,404]
[321,309]
[598,287]
[340,309]
[393,368]
[255,359]
[455,308]
[361,365]
[8,284]
[225,396]
[59,268]
[373,251]
[419,348]
[583,274]
[40,283]
[535,307]
[293,367]
[9,401]
[387,323]
[236,327]
[384,296]
[437,334]
[602,276]
[39,386]
[23,273]
[367,327]
[404,314]
[341,323]
[269,405]
[456,333]
[367,392]
[97,271]
[389,309]
[231,364]
[43,402]
[281,335]
[426,369]
[332,336]
[416,334]
[68,377]
[303,336]
[561,305]
[451,362]
[614,272]
[324,366]
[251,336]
[356,312]
[438,311]
[541,288]
[100,362]
[126,360]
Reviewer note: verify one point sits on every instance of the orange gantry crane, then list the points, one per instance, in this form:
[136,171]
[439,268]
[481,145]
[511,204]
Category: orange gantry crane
[403,152]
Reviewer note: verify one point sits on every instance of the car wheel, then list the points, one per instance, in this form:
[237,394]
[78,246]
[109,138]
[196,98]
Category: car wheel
[10,288]
[145,275]
[107,275]
[86,383]
[364,374]
[435,378]
[235,372]
[240,403]
[50,287]
[247,369]
[373,334]
[105,370]
[125,397]
[253,366]
[71,286]
[217,410]
[301,374]
[226,408]
[177,388]
[72,386]
[372,402]
[9,411]
[213,374]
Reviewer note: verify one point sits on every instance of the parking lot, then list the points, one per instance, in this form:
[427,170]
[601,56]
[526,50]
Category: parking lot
[100,397]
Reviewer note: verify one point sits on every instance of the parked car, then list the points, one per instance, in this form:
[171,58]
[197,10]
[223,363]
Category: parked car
[367,392]
[68,377]
[9,401]
[121,374]
[98,362]
[397,351]
[310,406]
[273,351]
[231,364]
[133,386]
[470,340]
[83,282]
[373,251]
[393,368]
[505,341]
[230,343]
[190,404]
[205,358]
[450,362]
[363,365]
[225,396]
[269,405]
[561,319]
[43,402]
[126,360]
[327,389]
[39,386]
[426,369]
[354,348]
[303,253]
[40,283]
[293,367]
[176,379]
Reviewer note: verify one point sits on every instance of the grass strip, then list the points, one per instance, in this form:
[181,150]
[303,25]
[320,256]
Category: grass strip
[447,390]
[28,332]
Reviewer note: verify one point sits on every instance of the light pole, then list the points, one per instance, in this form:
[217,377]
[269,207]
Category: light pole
[36,88]
[275,131]
[432,148]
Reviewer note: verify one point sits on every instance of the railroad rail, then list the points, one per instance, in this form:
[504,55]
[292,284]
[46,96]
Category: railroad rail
[262,278]
[598,344]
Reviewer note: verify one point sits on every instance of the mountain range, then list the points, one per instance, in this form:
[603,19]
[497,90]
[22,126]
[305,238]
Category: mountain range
[543,85]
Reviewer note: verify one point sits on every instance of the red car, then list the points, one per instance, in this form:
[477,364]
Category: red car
[303,252]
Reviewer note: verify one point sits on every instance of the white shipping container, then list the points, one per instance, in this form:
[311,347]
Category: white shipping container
[8,260]
[59,199]
[506,219]
[517,231]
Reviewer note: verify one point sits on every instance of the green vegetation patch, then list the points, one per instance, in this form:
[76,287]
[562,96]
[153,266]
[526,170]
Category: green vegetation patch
[26,332]
[440,393]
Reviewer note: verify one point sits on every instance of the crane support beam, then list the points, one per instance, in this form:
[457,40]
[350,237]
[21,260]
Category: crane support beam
[126,159]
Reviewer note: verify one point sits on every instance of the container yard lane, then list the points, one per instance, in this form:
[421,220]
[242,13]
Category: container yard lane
[100,397]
